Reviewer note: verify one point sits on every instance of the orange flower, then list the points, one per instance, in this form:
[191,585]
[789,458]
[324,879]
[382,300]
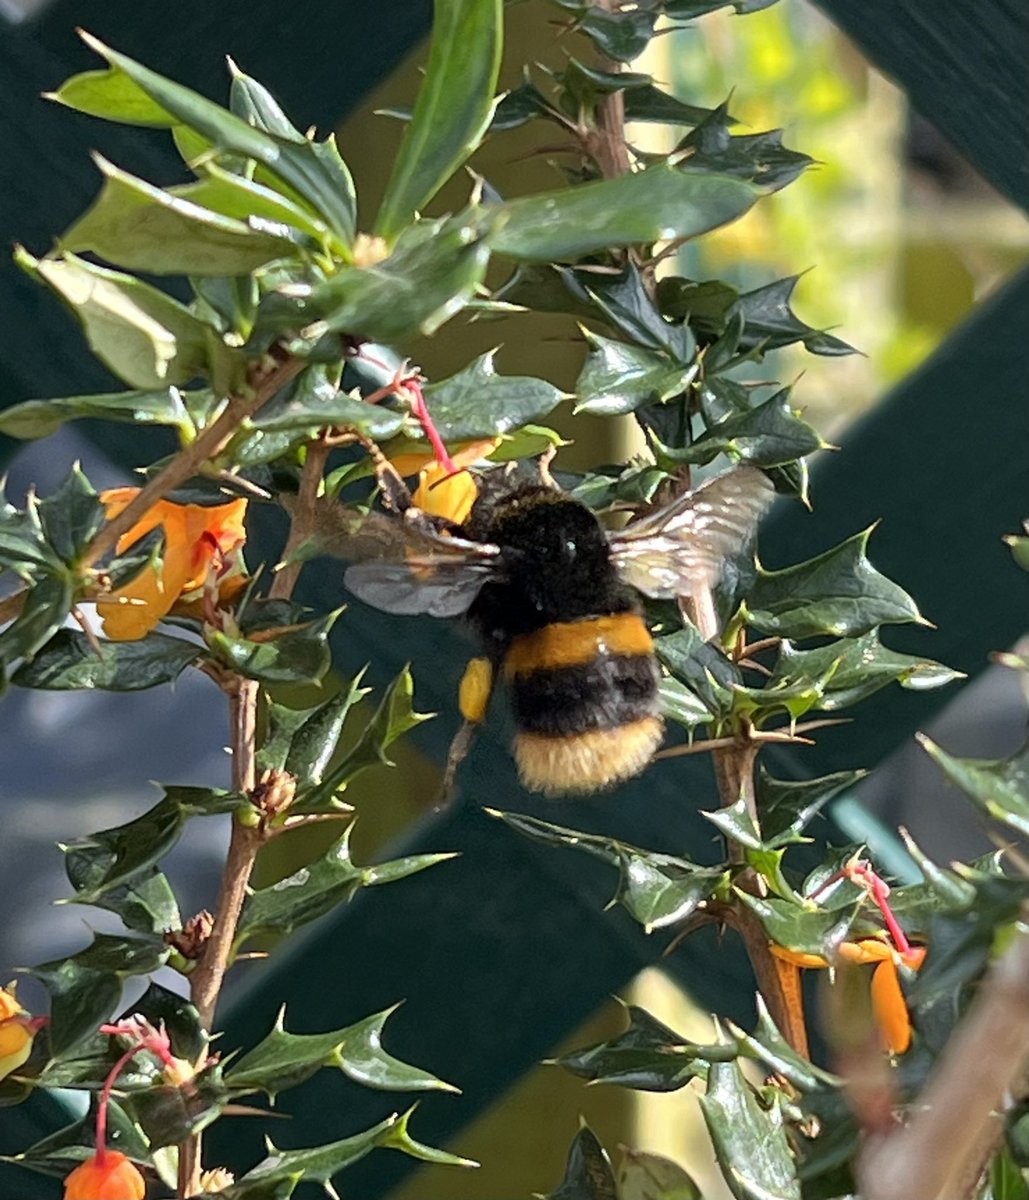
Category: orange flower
[106,1176]
[888,1003]
[17,1032]
[441,492]
[201,544]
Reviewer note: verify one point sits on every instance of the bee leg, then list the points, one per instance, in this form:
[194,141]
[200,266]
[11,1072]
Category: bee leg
[396,495]
[463,741]
[543,463]
[473,699]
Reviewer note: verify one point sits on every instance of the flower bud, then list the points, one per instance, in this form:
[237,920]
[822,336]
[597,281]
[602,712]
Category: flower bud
[107,1176]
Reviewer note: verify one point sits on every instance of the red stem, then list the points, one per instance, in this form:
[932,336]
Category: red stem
[105,1096]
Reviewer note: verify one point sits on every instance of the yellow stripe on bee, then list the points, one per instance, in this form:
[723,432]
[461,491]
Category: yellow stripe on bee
[586,762]
[572,643]
[474,691]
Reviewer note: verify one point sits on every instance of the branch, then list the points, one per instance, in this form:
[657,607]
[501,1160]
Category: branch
[942,1153]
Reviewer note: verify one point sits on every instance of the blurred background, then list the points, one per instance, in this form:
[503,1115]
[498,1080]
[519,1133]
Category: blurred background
[898,239]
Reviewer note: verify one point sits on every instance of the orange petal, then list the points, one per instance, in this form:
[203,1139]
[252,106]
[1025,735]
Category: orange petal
[131,612]
[890,1008]
[868,950]
[444,495]
[797,957]
[113,1178]
[9,1006]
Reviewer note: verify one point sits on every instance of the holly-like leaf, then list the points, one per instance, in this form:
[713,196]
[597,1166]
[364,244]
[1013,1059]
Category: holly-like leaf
[453,109]
[658,203]
[297,654]
[656,889]
[314,401]
[649,103]
[768,435]
[70,516]
[618,378]
[998,787]
[767,1046]
[113,857]
[168,1114]
[144,901]
[588,1174]
[283,1060]
[515,108]
[759,157]
[148,339]
[69,661]
[786,806]
[23,548]
[320,1163]
[59,1153]
[769,322]
[299,165]
[134,224]
[750,1140]
[855,668]
[627,305]
[648,1057]
[680,704]
[802,927]
[316,889]
[479,403]
[313,740]
[433,270]
[394,716]
[622,36]
[838,593]
[41,418]
[701,666]
[47,604]
[645,1176]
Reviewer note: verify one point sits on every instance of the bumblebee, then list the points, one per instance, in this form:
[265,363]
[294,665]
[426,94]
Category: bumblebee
[556,602]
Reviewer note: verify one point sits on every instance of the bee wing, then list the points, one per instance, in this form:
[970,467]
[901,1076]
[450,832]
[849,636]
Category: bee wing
[402,564]
[683,546]
[433,584]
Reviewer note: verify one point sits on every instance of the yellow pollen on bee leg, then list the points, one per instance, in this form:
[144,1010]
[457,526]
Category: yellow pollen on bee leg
[475,688]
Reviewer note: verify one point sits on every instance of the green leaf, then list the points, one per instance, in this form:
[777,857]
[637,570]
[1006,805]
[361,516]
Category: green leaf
[313,742]
[299,166]
[768,1047]
[838,593]
[759,157]
[649,103]
[855,668]
[394,716]
[701,666]
[998,787]
[479,403]
[47,604]
[619,35]
[23,548]
[297,654]
[313,401]
[433,270]
[112,857]
[768,435]
[70,516]
[680,704]
[317,888]
[246,200]
[515,108]
[70,661]
[284,1060]
[60,1152]
[453,109]
[627,306]
[656,204]
[114,96]
[799,927]
[656,889]
[750,1141]
[41,418]
[588,1174]
[787,806]
[645,1176]
[144,901]
[618,378]
[769,322]
[583,84]
[1007,1179]
[180,1019]
[136,225]
[1018,545]
[168,1114]
[262,1189]
[146,338]
[648,1057]
[320,1163]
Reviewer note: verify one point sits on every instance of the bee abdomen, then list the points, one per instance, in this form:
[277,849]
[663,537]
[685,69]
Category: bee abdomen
[585,701]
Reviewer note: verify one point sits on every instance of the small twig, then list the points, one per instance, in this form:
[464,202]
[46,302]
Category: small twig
[303,518]
[265,379]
